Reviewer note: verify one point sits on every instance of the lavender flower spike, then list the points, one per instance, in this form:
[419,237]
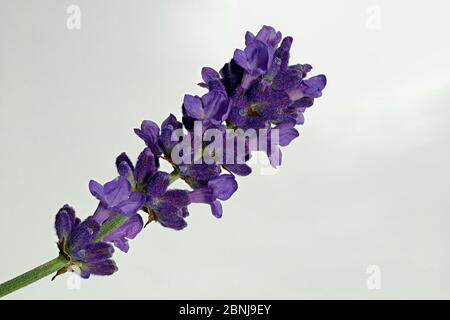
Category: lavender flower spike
[256,92]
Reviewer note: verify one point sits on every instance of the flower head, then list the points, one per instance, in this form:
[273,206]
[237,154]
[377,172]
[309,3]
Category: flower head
[257,90]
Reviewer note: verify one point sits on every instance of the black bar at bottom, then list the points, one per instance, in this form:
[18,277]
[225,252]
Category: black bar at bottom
[223,309]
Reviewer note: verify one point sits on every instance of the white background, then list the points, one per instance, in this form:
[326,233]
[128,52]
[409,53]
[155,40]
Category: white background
[366,184]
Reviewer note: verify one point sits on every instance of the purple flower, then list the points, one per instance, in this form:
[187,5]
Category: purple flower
[211,108]
[128,230]
[257,57]
[311,88]
[168,207]
[197,173]
[212,80]
[125,168]
[100,268]
[268,35]
[146,165]
[281,58]
[220,188]
[149,132]
[115,197]
[232,75]
[168,127]
[238,169]
[286,133]
[76,241]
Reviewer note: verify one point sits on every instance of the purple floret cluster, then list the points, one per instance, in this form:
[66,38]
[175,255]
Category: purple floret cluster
[257,89]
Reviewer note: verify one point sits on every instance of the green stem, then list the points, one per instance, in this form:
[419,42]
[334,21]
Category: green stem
[174,176]
[33,275]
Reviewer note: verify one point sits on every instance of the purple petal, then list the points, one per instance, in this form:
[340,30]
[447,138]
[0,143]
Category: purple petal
[177,198]
[96,190]
[149,132]
[313,87]
[286,134]
[132,205]
[238,169]
[125,166]
[258,57]
[203,171]
[122,244]
[145,166]
[289,80]
[171,123]
[224,186]
[209,74]
[241,59]
[167,128]
[103,213]
[216,105]
[216,209]
[123,158]
[249,37]
[95,252]
[269,36]
[102,268]
[256,123]
[64,222]
[302,103]
[171,218]
[211,80]
[202,195]
[158,184]
[272,112]
[83,234]
[282,53]
[193,107]
[306,68]
[150,128]
[232,75]
[129,230]
[116,191]
[300,118]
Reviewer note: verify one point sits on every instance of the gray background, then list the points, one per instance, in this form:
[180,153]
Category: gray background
[366,183]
